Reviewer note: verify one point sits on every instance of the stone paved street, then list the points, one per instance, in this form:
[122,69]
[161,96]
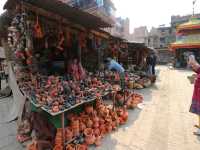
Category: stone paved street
[163,124]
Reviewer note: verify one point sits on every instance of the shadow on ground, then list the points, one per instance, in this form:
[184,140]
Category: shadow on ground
[114,138]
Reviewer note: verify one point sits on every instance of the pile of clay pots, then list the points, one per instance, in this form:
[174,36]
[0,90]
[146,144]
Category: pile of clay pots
[131,100]
[92,125]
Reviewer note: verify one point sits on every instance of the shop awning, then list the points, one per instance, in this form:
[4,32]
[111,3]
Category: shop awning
[72,14]
[175,46]
[193,24]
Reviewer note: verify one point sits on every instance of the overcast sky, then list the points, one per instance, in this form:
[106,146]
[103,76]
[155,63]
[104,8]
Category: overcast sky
[149,12]
[153,12]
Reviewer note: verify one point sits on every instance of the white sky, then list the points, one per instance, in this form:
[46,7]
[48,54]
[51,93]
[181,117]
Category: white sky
[149,12]
[153,12]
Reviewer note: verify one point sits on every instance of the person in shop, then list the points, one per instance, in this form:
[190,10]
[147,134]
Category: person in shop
[76,70]
[195,106]
[113,65]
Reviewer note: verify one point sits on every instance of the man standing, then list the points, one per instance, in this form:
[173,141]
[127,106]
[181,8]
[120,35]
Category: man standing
[113,65]
[149,61]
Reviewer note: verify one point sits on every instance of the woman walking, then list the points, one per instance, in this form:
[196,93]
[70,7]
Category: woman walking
[195,106]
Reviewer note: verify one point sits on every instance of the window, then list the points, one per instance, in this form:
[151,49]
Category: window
[162,40]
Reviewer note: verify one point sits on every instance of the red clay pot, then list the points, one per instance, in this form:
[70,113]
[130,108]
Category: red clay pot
[69,147]
[89,140]
[81,147]
[68,134]
[98,141]
[82,126]
[89,123]
[58,147]
[88,132]
[89,109]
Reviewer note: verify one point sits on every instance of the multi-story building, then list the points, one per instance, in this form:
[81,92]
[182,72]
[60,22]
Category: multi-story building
[104,9]
[121,28]
[140,35]
[160,37]
[177,20]
[153,39]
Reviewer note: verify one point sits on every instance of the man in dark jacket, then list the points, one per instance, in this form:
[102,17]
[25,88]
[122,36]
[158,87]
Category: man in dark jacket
[154,61]
[149,61]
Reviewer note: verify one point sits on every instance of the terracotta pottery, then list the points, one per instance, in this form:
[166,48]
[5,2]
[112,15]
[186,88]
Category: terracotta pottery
[109,128]
[101,121]
[103,130]
[98,141]
[89,140]
[121,121]
[68,134]
[96,124]
[82,126]
[89,109]
[88,132]
[81,147]
[69,147]
[58,147]
[89,123]
[114,125]
[58,141]
[125,116]
[76,132]
[97,132]
[71,116]
[95,119]
[75,124]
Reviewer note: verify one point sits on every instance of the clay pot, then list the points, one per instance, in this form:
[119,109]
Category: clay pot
[71,117]
[120,112]
[82,126]
[88,132]
[55,109]
[125,116]
[89,137]
[108,120]
[58,141]
[101,121]
[109,128]
[75,124]
[97,132]
[68,134]
[102,130]
[76,132]
[98,141]
[69,147]
[81,147]
[58,147]
[89,109]
[121,121]
[96,125]
[114,125]
[95,119]
[89,123]
[89,140]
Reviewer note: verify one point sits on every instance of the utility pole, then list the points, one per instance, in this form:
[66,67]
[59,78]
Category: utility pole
[194,2]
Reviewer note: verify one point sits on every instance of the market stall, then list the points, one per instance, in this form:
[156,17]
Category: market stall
[187,42]
[62,103]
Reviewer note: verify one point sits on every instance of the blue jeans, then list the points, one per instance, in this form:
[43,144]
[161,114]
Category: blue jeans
[150,69]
